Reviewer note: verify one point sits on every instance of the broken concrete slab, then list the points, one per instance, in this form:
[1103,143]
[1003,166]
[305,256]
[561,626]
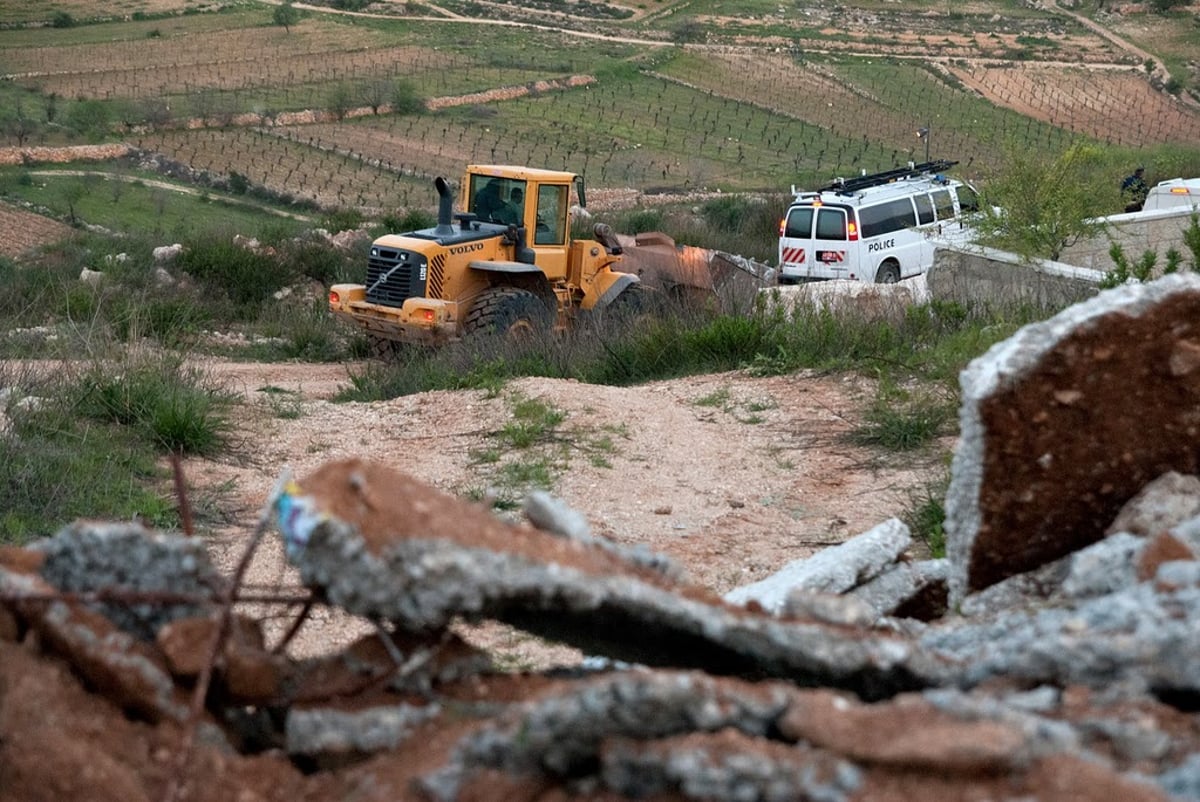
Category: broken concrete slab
[833,570]
[125,558]
[908,590]
[1124,367]
[386,546]
[1161,505]
[127,670]
[1140,638]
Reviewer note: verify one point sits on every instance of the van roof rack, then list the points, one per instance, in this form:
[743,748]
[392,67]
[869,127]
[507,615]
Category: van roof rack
[844,185]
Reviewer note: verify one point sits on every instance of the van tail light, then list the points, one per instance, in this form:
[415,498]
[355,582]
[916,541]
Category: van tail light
[334,298]
[782,226]
[851,230]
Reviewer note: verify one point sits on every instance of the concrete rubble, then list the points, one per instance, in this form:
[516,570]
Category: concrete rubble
[1051,655]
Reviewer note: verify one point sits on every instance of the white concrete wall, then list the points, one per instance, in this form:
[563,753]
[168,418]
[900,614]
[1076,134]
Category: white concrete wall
[1136,233]
[975,276]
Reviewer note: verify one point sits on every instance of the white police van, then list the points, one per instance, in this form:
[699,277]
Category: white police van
[877,227]
[1173,193]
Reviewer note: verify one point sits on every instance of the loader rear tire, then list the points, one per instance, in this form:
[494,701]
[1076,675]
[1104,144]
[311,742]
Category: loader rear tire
[637,306]
[509,312]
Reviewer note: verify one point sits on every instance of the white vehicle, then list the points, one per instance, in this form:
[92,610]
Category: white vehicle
[1172,193]
[876,227]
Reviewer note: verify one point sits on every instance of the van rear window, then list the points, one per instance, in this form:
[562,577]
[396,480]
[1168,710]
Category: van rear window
[799,223]
[831,224]
[885,218]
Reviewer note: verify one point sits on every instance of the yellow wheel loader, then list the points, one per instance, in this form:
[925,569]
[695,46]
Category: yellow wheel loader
[506,264]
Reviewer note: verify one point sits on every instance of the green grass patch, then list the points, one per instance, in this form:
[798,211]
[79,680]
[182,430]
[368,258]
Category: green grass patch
[527,452]
[902,420]
[925,515]
[130,203]
[90,442]
[173,407]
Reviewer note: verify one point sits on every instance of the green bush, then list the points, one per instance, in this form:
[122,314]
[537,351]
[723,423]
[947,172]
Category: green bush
[409,220]
[173,318]
[245,276]
[899,421]
[726,213]
[174,408]
[88,443]
[90,118]
[639,221]
[405,99]
[344,219]
[307,331]
[321,261]
[925,515]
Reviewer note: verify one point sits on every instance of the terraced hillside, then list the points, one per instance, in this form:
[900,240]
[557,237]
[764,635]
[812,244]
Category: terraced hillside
[360,105]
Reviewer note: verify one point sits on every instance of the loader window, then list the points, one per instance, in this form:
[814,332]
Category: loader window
[497,200]
[551,212]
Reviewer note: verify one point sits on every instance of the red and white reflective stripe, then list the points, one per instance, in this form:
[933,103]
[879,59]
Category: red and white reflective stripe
[793,255]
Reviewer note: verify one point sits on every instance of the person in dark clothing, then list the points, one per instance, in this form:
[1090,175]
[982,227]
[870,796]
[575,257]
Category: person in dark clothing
[488,201]
[1134,190]
[512,211]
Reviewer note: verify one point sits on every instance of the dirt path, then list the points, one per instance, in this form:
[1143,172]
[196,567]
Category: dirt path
[730,475]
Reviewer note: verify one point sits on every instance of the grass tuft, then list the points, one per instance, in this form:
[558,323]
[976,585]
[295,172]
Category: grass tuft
[88,443]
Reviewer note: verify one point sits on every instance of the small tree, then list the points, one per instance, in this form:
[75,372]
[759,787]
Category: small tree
[341,99]
[405,99]
[286,15]
[1040,204]
[1191,238]
[21,127]
[375,92]
[91,118]
[72,192]
[688,32]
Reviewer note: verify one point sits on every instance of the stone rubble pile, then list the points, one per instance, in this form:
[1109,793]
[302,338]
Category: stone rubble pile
[1052,655]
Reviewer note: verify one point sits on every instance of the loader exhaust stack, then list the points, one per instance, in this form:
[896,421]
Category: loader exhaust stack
[445,206]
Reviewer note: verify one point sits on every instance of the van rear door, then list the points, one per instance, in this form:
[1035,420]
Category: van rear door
[795,243]
[832,258]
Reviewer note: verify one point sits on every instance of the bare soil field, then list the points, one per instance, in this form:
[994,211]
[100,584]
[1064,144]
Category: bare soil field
[1114,105]
[729,475]
[21,230]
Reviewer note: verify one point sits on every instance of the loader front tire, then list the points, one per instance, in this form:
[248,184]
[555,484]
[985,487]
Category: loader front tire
[509,312]
[383,348]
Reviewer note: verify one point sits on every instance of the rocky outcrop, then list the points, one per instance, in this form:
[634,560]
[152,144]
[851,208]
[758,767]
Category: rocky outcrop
[1042,662]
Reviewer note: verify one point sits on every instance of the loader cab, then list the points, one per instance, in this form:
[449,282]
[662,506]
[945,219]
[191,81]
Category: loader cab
[497,200]
[537,200]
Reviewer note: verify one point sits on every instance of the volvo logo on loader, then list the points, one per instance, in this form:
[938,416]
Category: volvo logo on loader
[474,246]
